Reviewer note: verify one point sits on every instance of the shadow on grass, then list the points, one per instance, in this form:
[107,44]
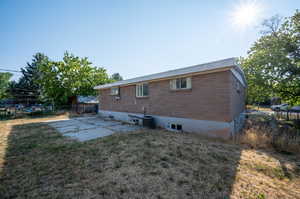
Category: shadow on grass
[40,163]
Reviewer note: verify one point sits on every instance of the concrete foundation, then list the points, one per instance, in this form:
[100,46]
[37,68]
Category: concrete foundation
[207,127]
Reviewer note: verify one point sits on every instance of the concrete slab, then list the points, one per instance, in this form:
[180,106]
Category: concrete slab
[63,123]
[104,123]
[68,129]
[88,128]
[83,126]
[84,118]
[124,128]
[90,134]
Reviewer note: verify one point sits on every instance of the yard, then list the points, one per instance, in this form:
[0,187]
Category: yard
[38,162]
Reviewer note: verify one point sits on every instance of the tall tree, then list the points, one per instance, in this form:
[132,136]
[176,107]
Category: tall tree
[27,89]
[116,77]
[71,77]
[4,84]
[272,66]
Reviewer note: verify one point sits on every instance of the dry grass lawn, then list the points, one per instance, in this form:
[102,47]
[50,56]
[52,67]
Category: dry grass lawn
[37,162]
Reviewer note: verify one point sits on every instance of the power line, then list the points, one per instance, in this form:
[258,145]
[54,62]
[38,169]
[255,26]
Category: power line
[9,70]
[13,89]
[26,95]
[29,90]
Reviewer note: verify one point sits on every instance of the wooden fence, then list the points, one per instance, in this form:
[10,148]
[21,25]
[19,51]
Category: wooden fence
[85,108]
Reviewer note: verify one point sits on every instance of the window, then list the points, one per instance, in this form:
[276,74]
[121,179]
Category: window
[142,90]
[114,91]
[177,127]
[181,83]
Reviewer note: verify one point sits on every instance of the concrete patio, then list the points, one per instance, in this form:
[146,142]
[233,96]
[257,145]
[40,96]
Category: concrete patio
[88,128]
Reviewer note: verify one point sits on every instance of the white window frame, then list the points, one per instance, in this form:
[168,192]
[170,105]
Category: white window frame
[114,91]
[174,85]
[139,90]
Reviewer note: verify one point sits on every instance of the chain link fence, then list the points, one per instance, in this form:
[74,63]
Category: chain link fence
[14,111]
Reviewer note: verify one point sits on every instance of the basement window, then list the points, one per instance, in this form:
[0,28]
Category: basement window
[142,90]
[173,126]
[181,83]
[114,91]
[177,127]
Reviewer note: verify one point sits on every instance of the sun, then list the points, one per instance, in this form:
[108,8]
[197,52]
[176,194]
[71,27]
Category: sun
[246,13]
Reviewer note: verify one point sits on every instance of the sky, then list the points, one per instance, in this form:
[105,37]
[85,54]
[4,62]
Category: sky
[133,37]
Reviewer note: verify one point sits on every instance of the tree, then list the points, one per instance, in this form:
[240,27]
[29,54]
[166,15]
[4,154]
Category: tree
[72,76]
[272,67]
[4,84]
[27,89]
[116,77]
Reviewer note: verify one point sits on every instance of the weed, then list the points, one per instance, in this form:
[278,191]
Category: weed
[262,132]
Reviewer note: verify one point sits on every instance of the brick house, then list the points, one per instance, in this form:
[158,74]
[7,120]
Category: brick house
[207,98]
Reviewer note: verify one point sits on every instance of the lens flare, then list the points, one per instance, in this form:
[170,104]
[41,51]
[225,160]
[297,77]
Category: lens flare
[246,13]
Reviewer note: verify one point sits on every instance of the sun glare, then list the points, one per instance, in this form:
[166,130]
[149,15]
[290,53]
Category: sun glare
[246,13]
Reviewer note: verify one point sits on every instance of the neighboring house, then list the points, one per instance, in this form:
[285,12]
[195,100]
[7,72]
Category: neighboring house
[85,104]
[207,98]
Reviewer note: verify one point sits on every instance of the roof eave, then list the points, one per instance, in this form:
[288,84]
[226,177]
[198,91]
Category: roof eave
[211,66]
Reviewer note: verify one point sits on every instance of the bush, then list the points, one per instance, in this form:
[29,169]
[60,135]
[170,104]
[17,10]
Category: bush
[264,132]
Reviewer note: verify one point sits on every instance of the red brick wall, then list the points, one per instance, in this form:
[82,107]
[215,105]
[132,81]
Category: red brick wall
[209,99]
